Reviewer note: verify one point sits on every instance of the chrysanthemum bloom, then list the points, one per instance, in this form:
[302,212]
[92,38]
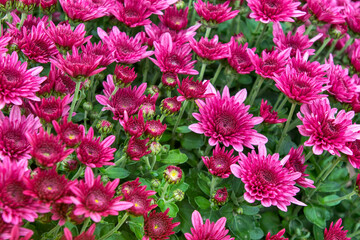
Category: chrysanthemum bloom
[100,50]
[57,82]
[270,63]
[148,106]
[70,133]
[220,162]
[299,86]
[88,234]
[278,236]
[226,120]
[172,57]
[48,5]
[190,89]
[132,13]
[268,114]
[214,14]
[326,11]
[158,5]
[8,231]
[17,232]
[124,75]
[47,150]
[4,42]
[209,230]
[14,204]
[134,126]
[139,196]
[13,130]
[175,19]
[60,212]
[335,231]
[17,82]
[82,10]
[295,163]
[220,197]
[169,80]
[154,129]
[352,14]
[266,179]
[170,106]
[326,131]
[210,50]
[127,50]
[94,200]
[354,159]
[125,99]
[158,225]
[296,42]
[52,108]
[239,58]
[47,185]
[313,69]
[137,148]
[355,59]
[172,174]
[94,153]
[78,65]
[274,10]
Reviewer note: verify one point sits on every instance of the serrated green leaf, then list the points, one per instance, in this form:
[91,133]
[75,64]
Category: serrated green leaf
[117,172]
[173,157]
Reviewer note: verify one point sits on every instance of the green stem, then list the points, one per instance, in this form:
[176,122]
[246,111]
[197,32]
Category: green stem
[85,120]
[331,49]
[213,185]
[218,70]
[153,162]
[117,163]
[48,129]
[76,95]
[347,44]
[193,15]
[207,33]
[260,38]
[283,134]
[51,233]
[254,91]
[163,116]
[354,234]
[84,226]
[182,110]
[281,105]
[78,173]
[22,20]
[163,191]
[146,70]
[308,30]
[346,197]
[326,41]
[308,155]
[278,100]
[189,5]
[112,231]
[202,71]
[206,152]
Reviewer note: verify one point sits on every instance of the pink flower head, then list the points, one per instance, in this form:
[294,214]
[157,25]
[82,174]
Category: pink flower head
[17,82]
[125,99]
[127,50]
[70,133]
[158,225]
[295,163]
[226,119]
[219,163]
[132,13]
[47,150]
[47,4]
[355,59]
[148,106]
[13,232]
[239,58]
[154,128]
[13,130]
[354,159]
[17,233]
[137,148]
[169,80]
[326,11]
[94,153]
[335,231]
[175,19]
[278,236]
[220,197]
[124,75]
[326,131]
[268,114]
[274,10]
[210,49]
[190,89]
[270,63]
[352,14]
[82,10]
[99,50]
[301,65]
[172,57]
[296,42]
[52,108]
[266,179]
[88,234]
[158,5]
[170,106]
[134,126]
[4,42]
[93,199]
[57,82]
[209,230]
[214,14]
[14,204]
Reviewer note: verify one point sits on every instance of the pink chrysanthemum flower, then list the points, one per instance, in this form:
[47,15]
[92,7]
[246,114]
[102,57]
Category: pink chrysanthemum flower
[299,86]
[124,75]
[270,63]
[7,231]
[239,58]
[219,163]
[64,37]
[268,114]
[172,57]
[17,82]
[301,64]
[17,233]
[13,129]
[94,153]
[354,159]
[4,42]
[47,150]
[226,119]
[335,231]
[14,204]
[169,80]
[170,106]
[209,230]
[52,108]
[326,131]
[134,126]
[220,197]
[125,99]
[158,225]
[127,50]
[58,83]
[70,133]
[326,11]
[175,19]
[210,49]
[158,5]
[352,14]
[296,42]
[266,179]
[295,163]
[190,89]
[137,148]
[274,10]
[214,14]
[355,59]
[82,10]
[278,236]
[154,128]
[133,13]
[87,235]
[63,212]
[93,199]
[99,50]
[148,106]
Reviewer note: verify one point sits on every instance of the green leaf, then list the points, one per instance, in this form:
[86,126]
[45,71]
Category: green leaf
[204,186]
[202,202]
[317,215]
[329,186]
[192,141]
[136,225]
[174,157]
[117,172]
[256,233]
[249,210]
[328,198]
[183,129]
[318,233]
[173,208]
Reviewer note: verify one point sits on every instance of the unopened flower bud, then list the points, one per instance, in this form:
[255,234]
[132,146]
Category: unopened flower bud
[170,106]
[155,183]
[124,76]
[220,197]
[87,106]
[240,38]
[153,90]
[173,174]
[180,4]
[104,179]
[155,148]
[179,195]
[104,127]
[169,80]
[71,165]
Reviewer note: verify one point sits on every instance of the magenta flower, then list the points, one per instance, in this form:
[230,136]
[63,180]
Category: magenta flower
[226,119]
[158,225]
[326,131]
[10,231]
[274,10]
[70,133]
[214,14]
[220,197]
[175,19]
[127,50]
[326,11]
[190,89]
[88,234]
[239,58]
[137,148]
[278,236]
[210,49]
[301,64]
[148,106]
[93,199]
[94,153]
[132,13]
[124,75]
[57,82]
[99,50]
[172,57]
[17,82]
[269,115]
[52,108]
[154,128]
[354,159]
[266,179]
[82,10]
[158,5]
[352,14]
[170,106]
[355,58]
[336,231]
[208,230]
[134,126]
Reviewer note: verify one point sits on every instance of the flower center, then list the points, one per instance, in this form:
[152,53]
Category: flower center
[225,123]
[267,176]
[97,201]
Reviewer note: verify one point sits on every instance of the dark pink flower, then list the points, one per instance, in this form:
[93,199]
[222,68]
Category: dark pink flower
[158,5]
[175,19]
[352,14]
[354,159]
[313,69]
[278,236]
[124,75]
[82,10]
[214,14]
[169,80]
[99,50]
[17,233]
[268,114]
[87,235]
[57,82]
[170,106]
[52,108]
[137,148]
[172,174]
[355,59]
[326,11]
[220,197]
[158,225]
[148,106]
[239,58]
[47,4]
[132,13]
[190,89]
[134,126]
[154,128]
[210,49]
[335,231]
[70,133]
